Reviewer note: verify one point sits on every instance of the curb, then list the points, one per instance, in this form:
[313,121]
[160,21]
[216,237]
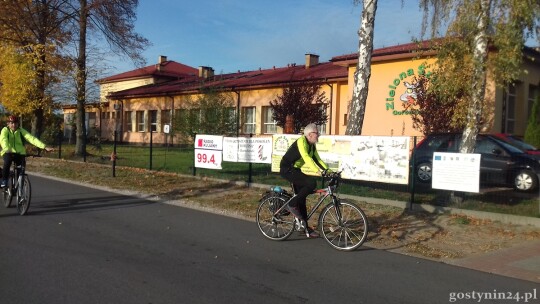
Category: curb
[500,217]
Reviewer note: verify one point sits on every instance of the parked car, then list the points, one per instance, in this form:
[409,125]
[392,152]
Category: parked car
[518,142]
[501,163]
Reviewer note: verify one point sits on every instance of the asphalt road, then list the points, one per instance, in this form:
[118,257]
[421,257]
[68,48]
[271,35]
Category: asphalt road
[82,245]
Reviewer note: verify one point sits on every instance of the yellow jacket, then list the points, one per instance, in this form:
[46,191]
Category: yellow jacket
[11,141]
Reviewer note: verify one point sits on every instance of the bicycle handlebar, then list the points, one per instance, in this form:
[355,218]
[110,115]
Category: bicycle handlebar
[330,174]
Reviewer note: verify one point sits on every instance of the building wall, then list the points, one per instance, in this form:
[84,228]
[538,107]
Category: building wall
[384,109]
[385,114]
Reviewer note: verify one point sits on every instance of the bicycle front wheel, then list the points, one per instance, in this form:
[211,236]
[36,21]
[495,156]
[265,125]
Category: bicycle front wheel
[276,227]
[24,195]
[344,229]
[7,193]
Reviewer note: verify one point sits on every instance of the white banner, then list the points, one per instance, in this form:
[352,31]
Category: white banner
[373,158]
[456,172]
[248,149]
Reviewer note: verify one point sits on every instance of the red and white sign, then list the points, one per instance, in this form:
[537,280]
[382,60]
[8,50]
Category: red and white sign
[209,142]
[209,159]
[208,151]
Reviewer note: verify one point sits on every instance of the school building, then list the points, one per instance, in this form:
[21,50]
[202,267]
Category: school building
[141,101]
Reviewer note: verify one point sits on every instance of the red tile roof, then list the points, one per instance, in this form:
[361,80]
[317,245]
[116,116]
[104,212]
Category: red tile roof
[167,69]
[391,50]
[259,78]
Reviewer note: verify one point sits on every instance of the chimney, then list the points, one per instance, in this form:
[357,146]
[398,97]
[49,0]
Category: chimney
[206,72]
[162,59]
[311,60]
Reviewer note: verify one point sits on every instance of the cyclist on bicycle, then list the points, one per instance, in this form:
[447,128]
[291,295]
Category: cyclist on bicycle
[302,152]
[13,149]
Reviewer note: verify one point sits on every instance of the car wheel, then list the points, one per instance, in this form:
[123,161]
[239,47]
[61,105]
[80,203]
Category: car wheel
[525,180]
[423,172]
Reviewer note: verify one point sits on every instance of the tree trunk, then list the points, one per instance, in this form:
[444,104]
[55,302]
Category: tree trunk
[357,106]
[80,145]
[474,112]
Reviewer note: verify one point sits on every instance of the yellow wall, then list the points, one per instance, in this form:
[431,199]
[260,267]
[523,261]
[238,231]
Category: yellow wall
[384,109]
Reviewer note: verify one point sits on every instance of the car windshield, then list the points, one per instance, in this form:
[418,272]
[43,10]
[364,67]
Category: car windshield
[508,146]
[520,144]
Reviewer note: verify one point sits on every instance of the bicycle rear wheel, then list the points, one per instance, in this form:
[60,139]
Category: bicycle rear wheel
[7,193]
[24,195]
[275,227]
[347,233]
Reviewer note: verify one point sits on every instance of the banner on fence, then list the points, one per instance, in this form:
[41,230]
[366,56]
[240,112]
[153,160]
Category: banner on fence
[371,158]
[208,151]
[247,149]
[456,172]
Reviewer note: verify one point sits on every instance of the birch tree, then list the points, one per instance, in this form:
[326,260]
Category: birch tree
[357,106]
[472,27]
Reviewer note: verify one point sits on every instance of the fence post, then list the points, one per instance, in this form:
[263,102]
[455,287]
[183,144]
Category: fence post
[412,175]
[250,173]
[60,136]
[194,156]
[113,156]
[151,146]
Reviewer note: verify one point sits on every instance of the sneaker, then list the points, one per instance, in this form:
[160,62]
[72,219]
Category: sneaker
[3,184]
[310,233]
[295,211]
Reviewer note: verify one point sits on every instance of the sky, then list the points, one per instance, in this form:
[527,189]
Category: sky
[232,35]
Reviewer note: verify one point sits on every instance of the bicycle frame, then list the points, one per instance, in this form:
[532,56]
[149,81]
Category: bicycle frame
[18,186]
[19,173]
[328,191]
[342,224]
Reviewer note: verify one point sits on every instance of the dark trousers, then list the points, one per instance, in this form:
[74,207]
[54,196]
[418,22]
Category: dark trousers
[303,184]
[8,159]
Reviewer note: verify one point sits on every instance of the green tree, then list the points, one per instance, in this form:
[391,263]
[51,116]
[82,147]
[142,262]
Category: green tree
[211,112]
[473,26]
[35,28]
[532,134]
[304,102]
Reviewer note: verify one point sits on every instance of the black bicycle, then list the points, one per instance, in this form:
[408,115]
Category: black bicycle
[341,223]
[18,186]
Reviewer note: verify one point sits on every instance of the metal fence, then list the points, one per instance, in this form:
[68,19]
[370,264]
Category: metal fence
[180,159]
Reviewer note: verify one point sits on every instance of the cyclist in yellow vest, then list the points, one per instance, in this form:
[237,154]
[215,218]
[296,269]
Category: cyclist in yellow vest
[13,149]
[302,152]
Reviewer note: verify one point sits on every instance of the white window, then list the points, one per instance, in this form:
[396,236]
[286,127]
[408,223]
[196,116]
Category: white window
[269,124]
[141,123]
[533,94]
[165,118]
[248,123]
[128,121]
[509,110]
[152,116]
[322,128]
